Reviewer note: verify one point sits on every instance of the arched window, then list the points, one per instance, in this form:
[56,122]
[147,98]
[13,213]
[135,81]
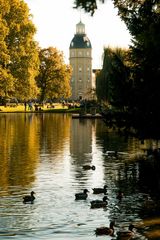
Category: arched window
[80,69]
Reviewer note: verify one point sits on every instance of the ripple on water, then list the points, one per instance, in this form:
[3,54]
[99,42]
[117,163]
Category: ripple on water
[47,156]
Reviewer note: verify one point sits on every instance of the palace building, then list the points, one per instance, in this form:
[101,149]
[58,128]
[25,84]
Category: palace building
[80,57]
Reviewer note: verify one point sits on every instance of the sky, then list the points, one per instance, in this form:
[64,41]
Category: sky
[56,21]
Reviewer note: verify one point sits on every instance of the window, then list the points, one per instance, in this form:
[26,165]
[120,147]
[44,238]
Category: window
[72,80]
[79,53]
[72,53]
[80,69]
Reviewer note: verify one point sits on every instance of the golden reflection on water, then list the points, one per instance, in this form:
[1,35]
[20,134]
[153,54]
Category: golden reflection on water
[46,152]
[23,137]
[54,131]
[152,221]
[153,234]
[152,226]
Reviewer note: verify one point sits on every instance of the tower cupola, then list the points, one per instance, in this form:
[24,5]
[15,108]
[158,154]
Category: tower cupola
[80,39]
[80,28]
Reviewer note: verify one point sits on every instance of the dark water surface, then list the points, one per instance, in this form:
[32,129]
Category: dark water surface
[45,153]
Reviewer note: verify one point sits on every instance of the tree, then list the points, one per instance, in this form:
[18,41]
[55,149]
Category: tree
[113,83]
[89,5]
[102,78]
[18,56]
[142,19]
[6,83]
[120,78]
[6,79]
[54,75]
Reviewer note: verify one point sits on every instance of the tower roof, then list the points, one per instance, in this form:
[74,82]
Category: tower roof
[80,39]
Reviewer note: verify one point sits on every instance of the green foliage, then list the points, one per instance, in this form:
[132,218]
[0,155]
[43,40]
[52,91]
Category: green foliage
[113,85]
[143,21]
[142,18]
[54,75]
[18,56]
[89,5]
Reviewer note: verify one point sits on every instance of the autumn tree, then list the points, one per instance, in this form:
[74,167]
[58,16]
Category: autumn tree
[54,75]
[18,55]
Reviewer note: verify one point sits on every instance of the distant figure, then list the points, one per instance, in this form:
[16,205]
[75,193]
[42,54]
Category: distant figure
[25,106]
[29,198]
[36,107]
[87,167]
[82,196]
[63,104]
[30,105]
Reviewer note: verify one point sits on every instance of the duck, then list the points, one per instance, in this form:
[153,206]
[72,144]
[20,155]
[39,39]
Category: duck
[112,154]
[99,203]
[88,167]
[149,204]
[100,190]
[82,196]
[126,234]
[29,198]
[120,195]
[106,230]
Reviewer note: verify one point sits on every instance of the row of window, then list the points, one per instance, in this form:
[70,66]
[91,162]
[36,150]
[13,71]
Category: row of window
[80,54]
[80,68]
[80,80]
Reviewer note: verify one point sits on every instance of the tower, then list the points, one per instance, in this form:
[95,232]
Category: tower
[80,57]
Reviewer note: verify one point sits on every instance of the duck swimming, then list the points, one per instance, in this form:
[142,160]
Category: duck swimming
[112,154]
[126,234]
[29,198]
[106,230]
[88,167]
[120,195]
[100,190]
[99,203]
[82,196]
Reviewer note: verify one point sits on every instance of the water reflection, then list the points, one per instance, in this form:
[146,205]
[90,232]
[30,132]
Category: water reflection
[18,150]
[45,153]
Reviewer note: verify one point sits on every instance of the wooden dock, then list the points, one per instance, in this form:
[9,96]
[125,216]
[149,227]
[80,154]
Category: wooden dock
[87,115]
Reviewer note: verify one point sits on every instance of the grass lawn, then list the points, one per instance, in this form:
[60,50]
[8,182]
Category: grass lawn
[57,108]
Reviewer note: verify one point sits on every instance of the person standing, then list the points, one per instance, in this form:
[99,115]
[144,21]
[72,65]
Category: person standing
[25,106]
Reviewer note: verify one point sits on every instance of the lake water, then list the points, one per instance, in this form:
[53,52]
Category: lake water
[45,153]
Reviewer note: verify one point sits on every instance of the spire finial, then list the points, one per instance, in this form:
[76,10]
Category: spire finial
[80,15]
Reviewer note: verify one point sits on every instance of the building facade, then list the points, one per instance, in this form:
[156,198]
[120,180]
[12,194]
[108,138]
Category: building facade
[80,58]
